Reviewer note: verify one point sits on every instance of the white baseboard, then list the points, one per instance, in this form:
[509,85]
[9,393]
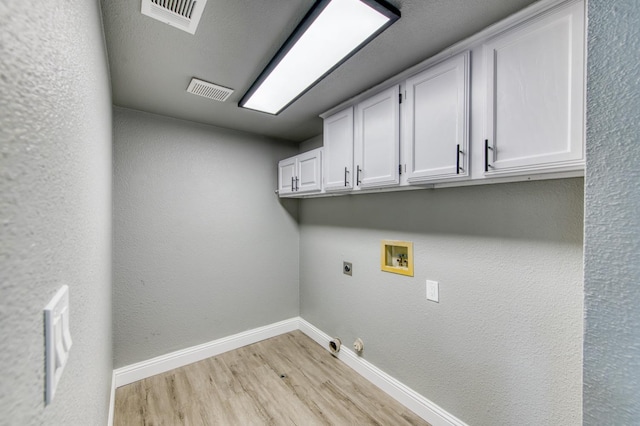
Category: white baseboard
[112,399]
[417,403]
[141,370]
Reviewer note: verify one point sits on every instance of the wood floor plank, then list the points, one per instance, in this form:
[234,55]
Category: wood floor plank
[286,380]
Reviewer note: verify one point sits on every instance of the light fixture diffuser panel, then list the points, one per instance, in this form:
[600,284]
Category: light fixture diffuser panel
[330,33]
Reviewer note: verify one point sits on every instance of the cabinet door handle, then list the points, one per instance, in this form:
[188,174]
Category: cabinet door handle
[297,187]
[358,170]
[293,188]
[458,159]
[345,177]
[486,155]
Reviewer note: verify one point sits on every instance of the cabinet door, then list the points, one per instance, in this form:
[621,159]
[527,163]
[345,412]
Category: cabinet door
[436,129]
[377,145]
[286,176]
[535,90]
[309,174]
[337,164]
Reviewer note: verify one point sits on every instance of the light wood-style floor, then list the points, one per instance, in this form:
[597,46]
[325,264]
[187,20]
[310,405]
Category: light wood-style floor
[286,380]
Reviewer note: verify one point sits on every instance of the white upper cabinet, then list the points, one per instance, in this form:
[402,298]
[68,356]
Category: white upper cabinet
[301,174]
[286,176]
[534,76]
[435,129]
[338,148]
[377,140]
[310,171]
[506,104]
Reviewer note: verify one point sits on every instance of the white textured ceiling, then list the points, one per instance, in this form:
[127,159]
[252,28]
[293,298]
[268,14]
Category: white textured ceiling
[152,63]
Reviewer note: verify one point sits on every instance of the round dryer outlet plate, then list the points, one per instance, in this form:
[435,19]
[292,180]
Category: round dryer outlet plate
[347,268]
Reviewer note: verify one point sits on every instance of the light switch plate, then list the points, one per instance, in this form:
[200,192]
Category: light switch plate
[57,340]
[433,292]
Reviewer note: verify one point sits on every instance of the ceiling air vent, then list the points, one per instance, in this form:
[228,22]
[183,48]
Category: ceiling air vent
[209,90]
[182,14]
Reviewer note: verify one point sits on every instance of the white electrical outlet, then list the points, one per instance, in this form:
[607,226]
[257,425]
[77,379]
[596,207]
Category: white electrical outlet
[433,292]
[57,340]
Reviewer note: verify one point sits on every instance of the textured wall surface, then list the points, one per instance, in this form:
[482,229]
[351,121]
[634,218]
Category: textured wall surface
[55,207]
[311,143]
[203,248]
[504,345]
[612,216]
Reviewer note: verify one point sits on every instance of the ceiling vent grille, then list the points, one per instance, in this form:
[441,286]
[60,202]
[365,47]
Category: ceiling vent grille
[182,14]
[209,90]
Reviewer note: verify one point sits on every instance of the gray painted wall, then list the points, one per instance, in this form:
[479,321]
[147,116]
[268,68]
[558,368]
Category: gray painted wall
[612,220]
[504,345]
[311,143]
[203,247]
[55,207]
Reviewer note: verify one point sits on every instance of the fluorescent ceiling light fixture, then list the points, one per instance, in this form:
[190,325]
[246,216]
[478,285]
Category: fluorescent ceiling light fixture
[330,33]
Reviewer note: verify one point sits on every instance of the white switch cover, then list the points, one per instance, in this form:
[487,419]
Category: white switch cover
[433,292]
[57,340]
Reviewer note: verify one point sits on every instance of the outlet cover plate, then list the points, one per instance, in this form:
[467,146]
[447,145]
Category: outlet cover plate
[433,292]
[347,268]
